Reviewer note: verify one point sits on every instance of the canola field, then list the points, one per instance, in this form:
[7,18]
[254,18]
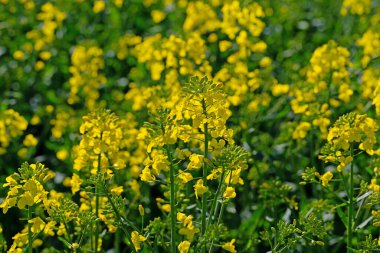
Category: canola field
[189,126]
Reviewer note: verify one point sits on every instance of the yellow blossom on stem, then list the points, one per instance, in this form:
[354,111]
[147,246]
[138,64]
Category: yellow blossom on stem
[185,177]
[146,175]
[30,141]
[229,193]
[137,239]
[75,183]
[26,187]
[199,188]
[37,225]
[229,246]
[184,246]
[196,162]
[326,178]
[188,229]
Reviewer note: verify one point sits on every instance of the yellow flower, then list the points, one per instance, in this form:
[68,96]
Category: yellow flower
[184,246]
[45,55]
[199,188]
[137,239]
[118,3]
[87,62]
[146,175]
[166,208]
[181,216]
[99,6]
[117,190]
[30,141]
[196,162]
[188,229]
[39,65]
[224,45]
[76,182]
[49,228]
[158,16]
[229,193]
[75,246]
[280,89]
[215,173]
[49,109]
[61,230]
[348,131]
[23,152]
[62,154]
[229,246]
[301,130]
[326,178]
[35,120]
[37,225]
[265,62]
[233,177]
[18,55]
[356,7]
[374,186]
[101,135]
[12,125]
[184,176]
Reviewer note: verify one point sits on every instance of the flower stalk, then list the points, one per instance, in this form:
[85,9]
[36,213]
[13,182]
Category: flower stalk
[204,172]
[172,202]
[30,240]
[350,206]
[97,206]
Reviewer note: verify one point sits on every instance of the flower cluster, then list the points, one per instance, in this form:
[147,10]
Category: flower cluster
[214,111]
[370,42]
[87,62]
[327,75]
[12,125]
[351,133]
[26,188]
[51,18]
[360,7]
[100,144]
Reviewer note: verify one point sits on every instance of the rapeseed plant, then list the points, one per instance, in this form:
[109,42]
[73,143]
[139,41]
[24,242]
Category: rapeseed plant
[231,126]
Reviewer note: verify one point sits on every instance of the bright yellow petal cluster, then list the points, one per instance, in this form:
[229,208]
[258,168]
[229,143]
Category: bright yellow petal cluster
[137,239]
[351,132]
[12,125]
[199,188]
[26,187]
[184,246]
[52,19]
[187,227]
[229,246]
[355,7]
[87,62]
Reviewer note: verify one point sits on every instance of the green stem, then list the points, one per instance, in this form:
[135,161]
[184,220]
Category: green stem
[97,205]
[121,219]
[30,240]
[205,155]
[117,241]
[213,205]
[350,207]
[68,232]
[221,211]
[172,203]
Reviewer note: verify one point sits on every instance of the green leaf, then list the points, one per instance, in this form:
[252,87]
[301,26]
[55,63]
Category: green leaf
[342,216]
